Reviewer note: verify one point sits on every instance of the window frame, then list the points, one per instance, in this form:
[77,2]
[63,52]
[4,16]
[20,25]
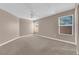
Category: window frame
[60,25]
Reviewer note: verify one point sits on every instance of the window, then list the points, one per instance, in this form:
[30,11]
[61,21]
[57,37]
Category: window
[66,25]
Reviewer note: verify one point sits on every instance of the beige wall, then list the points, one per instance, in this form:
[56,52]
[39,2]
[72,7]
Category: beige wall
[9,26]
[48,26]
[25,27]
[78,32]
[12,26]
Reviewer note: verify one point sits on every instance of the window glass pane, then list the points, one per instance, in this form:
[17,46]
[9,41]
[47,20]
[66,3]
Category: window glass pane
[66,20]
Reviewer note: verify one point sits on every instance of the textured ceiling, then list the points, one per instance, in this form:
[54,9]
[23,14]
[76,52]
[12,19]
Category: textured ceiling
[35,10]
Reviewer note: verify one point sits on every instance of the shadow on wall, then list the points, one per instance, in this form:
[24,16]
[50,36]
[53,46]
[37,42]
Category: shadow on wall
[25,27]
[11,26]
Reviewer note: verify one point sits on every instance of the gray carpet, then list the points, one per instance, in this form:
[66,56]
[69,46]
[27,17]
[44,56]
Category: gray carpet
[35,45]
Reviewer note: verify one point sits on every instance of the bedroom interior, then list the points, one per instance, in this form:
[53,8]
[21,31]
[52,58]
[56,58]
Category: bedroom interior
[39,29]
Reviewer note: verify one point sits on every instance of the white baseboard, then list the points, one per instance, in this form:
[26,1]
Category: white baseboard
[37,35]
[57,39]
[15,39]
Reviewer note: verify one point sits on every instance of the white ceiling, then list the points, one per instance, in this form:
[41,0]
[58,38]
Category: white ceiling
[23,10]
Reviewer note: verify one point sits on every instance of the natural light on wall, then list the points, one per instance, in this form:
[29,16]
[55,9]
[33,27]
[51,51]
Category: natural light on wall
[35,27]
